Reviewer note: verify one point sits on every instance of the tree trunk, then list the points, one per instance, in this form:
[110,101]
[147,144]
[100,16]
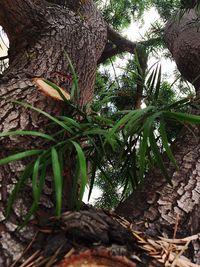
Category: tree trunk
[158,203]
[40,33]
[183,40]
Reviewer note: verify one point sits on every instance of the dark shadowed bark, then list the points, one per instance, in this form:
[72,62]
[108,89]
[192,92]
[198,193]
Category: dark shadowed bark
[182,37]
[40,33]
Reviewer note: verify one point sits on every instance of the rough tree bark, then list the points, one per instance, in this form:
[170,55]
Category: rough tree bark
[157,202]
[39,33]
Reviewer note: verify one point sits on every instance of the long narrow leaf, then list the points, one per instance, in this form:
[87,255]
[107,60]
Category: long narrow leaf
[139,114]
[54,86]
[147,129]
[31,211]
[179,104]
[26,105]
[164,138]
[70,121]
[32,133]
[22,179]
[122,121]
[158,157]
[20,155]
[92,179]
[83,171]
[74,88]
[157,86]
[35,179]
[185,117]
[58,179]
[36,199]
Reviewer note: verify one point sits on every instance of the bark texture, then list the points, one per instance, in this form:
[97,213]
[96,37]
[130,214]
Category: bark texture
[158,203]
[39,34]
[182,37]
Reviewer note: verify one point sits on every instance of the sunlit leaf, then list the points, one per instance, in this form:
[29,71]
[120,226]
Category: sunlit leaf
[55,87]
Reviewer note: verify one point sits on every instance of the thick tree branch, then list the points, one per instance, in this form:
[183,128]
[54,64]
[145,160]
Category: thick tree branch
[120,41]
[116,45]
[109,51]
[17,16]
[3,58]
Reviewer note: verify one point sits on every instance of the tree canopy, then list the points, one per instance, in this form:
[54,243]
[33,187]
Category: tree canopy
[67,124]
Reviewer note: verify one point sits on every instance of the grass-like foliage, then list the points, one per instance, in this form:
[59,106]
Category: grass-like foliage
[131,141]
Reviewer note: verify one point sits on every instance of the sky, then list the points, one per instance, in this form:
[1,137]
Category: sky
[134,32]
[3,43]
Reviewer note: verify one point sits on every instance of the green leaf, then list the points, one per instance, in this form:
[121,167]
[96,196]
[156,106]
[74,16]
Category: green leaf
[158,157]
[58,179]
[122,121]
[125,188]
[22,179]
[185,117]
[54,86]
[26,105]
[95,131]
[74,88]
[70,121]
[19,156]
[31,211]
[95,146]
[103,120]
[32,133]
[35,179]
[134,122]
[179,104]
[92,179]
[147,129]
[151,82]
[143,149]
[157,86]
[82,171]
[38,190]
[165,143]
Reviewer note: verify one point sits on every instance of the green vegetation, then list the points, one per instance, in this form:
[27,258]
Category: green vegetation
[116,143]
[120,145]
